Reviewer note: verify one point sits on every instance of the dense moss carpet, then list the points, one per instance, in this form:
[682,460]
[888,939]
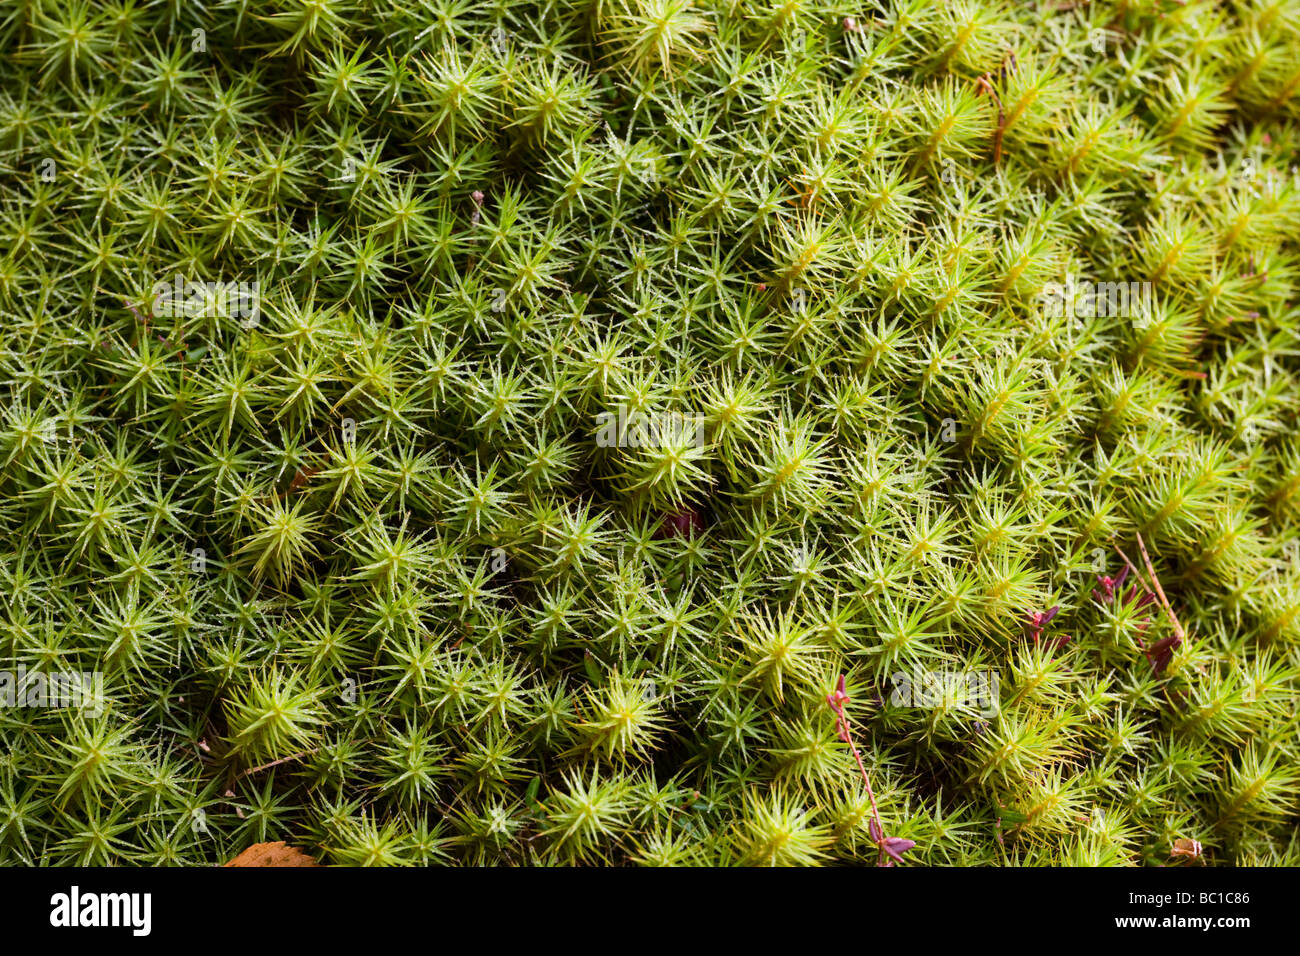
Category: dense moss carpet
[467,432]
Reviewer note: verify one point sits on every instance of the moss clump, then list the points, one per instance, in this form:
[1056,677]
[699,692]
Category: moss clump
[485,432]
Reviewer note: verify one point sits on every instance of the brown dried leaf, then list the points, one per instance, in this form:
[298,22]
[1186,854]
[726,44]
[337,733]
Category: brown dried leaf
[272,854]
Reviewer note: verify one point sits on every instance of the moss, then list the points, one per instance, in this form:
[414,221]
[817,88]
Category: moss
[485,433]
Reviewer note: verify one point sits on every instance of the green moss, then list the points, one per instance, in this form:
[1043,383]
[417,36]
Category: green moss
[622,373]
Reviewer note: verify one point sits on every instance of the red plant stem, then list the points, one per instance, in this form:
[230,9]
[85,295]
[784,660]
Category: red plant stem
[1164,602]
[842,725]
[1160,592]
[1156,589]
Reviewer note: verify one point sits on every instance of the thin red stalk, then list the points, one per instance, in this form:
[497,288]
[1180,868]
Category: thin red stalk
[842,725]
[1136,573]
[1160,592]
[1160,596]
